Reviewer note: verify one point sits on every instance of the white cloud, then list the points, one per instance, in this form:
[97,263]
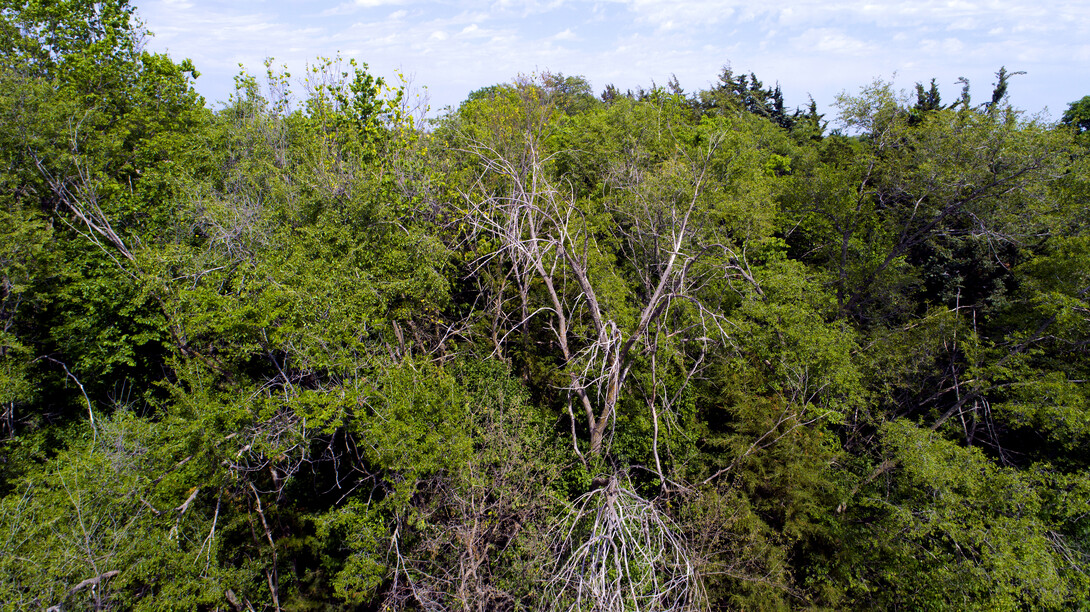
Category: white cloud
[946,46]
[376,3]
[965,23]
[348,8]
[828,40]
[818,46]
[692,13]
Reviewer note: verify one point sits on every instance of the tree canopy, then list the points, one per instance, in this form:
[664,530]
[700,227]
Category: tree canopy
[550,350]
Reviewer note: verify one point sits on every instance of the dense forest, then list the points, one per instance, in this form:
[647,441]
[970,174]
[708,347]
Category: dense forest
[552,350]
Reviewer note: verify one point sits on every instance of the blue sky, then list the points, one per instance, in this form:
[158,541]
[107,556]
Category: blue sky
[818,47]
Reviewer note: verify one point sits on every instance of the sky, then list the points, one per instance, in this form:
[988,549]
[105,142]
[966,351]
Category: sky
[810,47]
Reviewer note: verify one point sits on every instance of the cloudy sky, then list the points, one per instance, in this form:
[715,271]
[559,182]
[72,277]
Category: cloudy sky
[818,47]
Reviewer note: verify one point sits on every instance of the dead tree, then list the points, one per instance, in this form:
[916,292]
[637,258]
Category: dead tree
[544,239]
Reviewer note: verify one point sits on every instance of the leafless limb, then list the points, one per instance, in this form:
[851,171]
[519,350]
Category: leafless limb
[92,581]
[270,573]
[543,235]
[90,413]
[208,541]
[619,552]
[77,193]
[185,505]
[786,422]
[87,532]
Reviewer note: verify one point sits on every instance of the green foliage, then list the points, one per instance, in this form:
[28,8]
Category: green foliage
[24,262]
[69,40]
[972,535]
[301,352]
[466,474]
[1077,117]
[103,510]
